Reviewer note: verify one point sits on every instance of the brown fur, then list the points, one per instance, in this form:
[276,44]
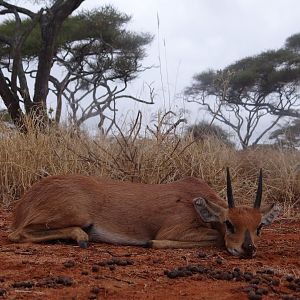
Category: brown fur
[88,208]
[244,218]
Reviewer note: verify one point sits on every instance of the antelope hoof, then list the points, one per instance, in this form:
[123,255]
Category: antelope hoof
[83,244]
[14,237]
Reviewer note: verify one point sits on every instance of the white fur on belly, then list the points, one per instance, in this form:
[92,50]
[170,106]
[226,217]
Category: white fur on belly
[102,235]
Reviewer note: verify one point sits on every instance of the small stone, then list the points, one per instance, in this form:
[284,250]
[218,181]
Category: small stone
[202,255]
[253,296]
[69,264]
[262,291]
[112,267]
[255,281]
[202,270]
[292,286]
[2,292]
[84,273]
[66,281]
[187,273]
[247,289]
[117,261]
[192,268]
[95,268]
[172,274]
[229,276]
[131,262]
[275,282]
[259,292]
[95,290]
[289,278]
[238,278]
[266,278]
[288,297]
[235,274]
[219,261]
[247,277]
[23,284]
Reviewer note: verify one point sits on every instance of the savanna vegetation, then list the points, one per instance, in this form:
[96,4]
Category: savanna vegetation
[98,57]
[158,158]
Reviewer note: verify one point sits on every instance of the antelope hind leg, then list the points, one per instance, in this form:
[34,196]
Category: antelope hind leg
[35,234]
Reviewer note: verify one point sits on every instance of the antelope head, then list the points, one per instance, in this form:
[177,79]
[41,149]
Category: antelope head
[240,225]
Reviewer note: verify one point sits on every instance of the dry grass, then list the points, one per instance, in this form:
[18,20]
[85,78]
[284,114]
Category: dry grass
[157,158]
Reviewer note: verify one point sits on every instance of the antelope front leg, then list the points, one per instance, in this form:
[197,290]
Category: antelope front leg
[168,244]
[190,239]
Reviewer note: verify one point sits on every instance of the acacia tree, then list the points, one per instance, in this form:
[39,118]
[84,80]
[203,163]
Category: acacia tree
[203,130]
[245,93]
[99,67]
[89,51]
[14,89]
[288,134]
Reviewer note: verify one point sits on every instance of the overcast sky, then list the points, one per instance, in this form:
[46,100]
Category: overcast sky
[195,35]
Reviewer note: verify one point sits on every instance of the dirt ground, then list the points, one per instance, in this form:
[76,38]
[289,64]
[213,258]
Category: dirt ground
[64,271]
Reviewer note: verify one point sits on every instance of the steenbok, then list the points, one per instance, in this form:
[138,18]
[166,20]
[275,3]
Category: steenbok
[183,214]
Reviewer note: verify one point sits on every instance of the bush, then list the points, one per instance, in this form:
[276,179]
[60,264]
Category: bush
[24,159]
[203,130]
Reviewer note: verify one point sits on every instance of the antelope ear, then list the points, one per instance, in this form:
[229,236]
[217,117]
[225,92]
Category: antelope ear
[208,211]
[270,213]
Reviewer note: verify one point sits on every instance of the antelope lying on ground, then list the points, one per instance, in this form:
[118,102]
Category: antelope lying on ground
[182,214]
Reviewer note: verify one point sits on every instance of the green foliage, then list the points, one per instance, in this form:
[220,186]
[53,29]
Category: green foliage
[32,44]
[249,89]
[293,42]
[287,134]
[262,74]
[266,72]
[204,130]
[105,23]
[5,117]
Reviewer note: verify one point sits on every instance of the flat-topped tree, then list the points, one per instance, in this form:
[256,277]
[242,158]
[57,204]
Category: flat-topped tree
[14,89]
[246,92]
[74,57]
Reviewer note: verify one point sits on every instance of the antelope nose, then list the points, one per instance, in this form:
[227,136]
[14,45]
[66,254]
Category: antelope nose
[249,249]
[248,245]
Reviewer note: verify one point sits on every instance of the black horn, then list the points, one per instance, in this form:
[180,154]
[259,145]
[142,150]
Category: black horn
[229,190]
[259,191]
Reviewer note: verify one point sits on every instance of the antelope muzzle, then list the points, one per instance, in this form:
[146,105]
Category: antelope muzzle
[248,246]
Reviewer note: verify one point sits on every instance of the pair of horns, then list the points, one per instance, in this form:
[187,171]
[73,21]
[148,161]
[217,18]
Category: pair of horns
[230,194]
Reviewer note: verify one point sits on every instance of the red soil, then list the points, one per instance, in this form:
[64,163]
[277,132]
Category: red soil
[64,271]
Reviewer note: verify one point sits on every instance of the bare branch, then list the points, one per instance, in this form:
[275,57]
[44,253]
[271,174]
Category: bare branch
[12,8]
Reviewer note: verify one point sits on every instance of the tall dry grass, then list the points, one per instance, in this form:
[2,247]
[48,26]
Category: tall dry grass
[159,157]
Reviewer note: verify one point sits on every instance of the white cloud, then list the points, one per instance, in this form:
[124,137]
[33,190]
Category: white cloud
[202,34]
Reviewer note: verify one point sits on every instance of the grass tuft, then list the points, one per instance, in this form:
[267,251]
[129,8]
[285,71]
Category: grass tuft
[155,157]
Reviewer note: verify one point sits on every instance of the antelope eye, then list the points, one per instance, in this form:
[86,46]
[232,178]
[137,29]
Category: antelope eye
[229,226]
[258,230]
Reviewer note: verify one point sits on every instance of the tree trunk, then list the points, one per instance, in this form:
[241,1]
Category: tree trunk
[50,23]
[58,107]
[11,101]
